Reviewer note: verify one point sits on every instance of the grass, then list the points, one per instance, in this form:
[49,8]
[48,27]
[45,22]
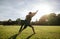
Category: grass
[42,32]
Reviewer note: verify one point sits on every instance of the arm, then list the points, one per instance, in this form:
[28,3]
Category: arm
[34,13]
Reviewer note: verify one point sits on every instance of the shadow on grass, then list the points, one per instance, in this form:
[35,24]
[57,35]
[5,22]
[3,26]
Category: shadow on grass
[13,37]
[29,36]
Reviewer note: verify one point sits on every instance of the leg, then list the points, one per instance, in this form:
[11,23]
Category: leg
[32,28]
[22,29]
[22,23]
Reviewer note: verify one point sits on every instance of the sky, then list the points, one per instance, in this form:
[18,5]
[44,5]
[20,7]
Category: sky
[13,9]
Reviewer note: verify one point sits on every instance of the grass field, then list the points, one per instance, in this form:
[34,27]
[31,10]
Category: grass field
[42,32]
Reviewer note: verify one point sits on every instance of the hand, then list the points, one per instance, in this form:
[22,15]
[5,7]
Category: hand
[36,11]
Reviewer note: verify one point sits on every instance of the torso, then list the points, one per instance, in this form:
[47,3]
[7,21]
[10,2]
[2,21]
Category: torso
[28,17]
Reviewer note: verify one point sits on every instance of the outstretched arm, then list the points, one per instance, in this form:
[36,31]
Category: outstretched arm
[36,11]
[33,13]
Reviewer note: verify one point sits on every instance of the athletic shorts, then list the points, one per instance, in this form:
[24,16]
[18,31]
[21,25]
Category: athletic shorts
[27,23]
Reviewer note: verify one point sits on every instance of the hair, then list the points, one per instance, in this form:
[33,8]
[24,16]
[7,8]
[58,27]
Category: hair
[30,12]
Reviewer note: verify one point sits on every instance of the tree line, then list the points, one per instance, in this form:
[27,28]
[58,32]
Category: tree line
[50,19]
[10,22]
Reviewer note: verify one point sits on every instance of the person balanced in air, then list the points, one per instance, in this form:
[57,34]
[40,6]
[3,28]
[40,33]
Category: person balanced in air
[27,22]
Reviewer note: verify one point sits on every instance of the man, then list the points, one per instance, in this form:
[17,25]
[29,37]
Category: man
[27,22]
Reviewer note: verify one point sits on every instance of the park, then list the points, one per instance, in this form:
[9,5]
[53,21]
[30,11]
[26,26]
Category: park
[29,19]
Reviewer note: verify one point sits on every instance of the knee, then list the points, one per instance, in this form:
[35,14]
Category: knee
[32,27]
[25,27]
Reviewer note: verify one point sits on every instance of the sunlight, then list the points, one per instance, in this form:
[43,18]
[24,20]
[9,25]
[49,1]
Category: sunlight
[44,9]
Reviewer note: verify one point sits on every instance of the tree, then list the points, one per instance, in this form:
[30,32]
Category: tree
[18,20]
[9,22]
[52,19]
[43,20]
[58,19]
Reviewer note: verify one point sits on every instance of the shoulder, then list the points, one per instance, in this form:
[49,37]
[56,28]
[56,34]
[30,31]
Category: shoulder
[27,15]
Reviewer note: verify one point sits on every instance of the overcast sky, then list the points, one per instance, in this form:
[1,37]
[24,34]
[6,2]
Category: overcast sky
[13,9]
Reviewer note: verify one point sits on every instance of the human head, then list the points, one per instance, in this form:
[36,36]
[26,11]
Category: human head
[30,12]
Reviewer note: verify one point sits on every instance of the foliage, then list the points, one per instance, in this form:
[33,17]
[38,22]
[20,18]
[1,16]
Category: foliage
[50,19]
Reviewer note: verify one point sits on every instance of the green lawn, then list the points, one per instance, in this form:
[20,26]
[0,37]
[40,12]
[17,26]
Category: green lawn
[42,32]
